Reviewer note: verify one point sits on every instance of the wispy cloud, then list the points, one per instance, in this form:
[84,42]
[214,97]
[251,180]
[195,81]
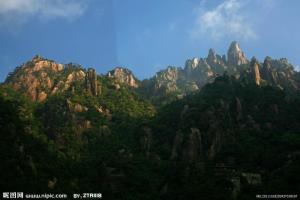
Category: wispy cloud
[227,19]
[17,12]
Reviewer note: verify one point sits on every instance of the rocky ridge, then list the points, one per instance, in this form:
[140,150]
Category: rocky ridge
[123,76]
[41,77]
[199,71]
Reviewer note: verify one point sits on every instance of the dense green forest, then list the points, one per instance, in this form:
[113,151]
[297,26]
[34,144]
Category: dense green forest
[216,129]
[205,145]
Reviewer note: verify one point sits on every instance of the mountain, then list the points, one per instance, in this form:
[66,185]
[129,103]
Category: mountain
[218,128]
[235,55]
[124,76]
[40,78]
[175,82]
[230,135]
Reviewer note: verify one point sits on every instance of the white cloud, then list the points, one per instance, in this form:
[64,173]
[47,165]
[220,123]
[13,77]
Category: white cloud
[16,12]
[227,19]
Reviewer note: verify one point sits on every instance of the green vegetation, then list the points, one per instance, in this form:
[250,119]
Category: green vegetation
[118,144]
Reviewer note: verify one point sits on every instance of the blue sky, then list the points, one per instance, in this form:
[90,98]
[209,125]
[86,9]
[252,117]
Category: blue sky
[144,35]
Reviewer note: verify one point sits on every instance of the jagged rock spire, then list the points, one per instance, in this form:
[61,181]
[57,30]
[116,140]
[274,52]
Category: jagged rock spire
[267,62]
[91,81]
[254,68]
[267,72]
[235,55]
[190,65]
[211,57]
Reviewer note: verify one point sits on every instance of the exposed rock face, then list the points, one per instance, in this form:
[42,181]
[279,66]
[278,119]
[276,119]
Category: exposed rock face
[167,79]
[41,63]
[254,68]
[200,71]
[190,65]
[267,72]
[124,76]
[279,73]
[171,74]
[71,78]
[201,74]
[215,59]
[173,79]
[235,55]
[211,58]
[106,112]
[76,107]
[41,77]
[91,82]
[41,96]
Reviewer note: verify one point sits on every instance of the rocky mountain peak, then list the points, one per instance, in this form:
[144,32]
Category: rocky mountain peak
[235,55]
[124,76]
[167,79]
[40,77]
[38,63]
[267,62]
[279,73]
[192,63]
[171,74]
[211,57]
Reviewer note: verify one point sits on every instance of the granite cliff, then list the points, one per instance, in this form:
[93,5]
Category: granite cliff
[175,82]
[40,78]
